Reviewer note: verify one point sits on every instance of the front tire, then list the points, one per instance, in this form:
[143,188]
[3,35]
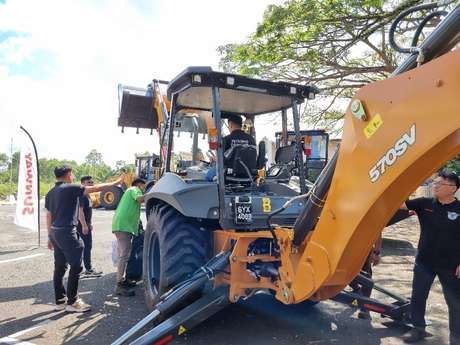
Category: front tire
[111,197]
[174,248]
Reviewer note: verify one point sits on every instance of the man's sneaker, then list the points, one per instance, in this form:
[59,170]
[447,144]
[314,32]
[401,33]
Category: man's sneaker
[128,283]
[61,304]
[124,291]
[78,307]
[414,335]
[92,273]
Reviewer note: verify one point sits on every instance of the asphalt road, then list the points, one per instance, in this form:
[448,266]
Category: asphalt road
[27,315]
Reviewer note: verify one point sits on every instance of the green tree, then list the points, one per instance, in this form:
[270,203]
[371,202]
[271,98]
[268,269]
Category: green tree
[47,167]
[14,165]
[8,174]
[454,165]
[4,159]
[337,45]
[94,158]
[121,166]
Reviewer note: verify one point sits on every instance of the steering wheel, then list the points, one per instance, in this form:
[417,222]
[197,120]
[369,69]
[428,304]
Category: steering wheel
[205,162]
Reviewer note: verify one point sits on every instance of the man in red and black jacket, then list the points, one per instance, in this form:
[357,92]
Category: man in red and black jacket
[438,254]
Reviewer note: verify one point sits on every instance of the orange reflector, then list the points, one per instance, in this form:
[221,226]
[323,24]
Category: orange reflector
[374,308]
[164,340]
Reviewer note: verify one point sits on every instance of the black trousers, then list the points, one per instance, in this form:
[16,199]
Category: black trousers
[421,285]
[88,241]
[68,249]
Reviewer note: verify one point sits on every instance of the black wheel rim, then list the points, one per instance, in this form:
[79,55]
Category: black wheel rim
[155,264]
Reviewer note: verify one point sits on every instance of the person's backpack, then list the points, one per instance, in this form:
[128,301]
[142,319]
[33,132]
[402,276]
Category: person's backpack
[134,268]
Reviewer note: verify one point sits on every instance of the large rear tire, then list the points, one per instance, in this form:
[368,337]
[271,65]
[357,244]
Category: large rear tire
[174,248]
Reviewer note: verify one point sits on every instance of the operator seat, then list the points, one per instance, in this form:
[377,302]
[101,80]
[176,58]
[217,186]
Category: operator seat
[281,170]
[240,164]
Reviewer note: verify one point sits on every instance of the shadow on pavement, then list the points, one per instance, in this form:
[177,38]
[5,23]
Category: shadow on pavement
[391,247]
[110,315]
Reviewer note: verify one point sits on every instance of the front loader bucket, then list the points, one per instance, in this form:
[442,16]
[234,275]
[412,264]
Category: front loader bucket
[136,107]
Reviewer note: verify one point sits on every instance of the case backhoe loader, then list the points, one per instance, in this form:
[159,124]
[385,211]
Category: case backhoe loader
[212,241]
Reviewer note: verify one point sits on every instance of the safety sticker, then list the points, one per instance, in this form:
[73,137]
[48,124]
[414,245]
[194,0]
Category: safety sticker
[181,330]
[266,205]
[354,303]
[373,126]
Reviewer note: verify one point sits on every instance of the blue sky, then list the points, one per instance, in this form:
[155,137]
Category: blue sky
[61,62]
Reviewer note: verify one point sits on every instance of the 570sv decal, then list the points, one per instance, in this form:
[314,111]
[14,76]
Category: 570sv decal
[391,156]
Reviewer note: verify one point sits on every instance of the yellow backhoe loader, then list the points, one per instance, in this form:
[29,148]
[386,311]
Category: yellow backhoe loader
[220,234]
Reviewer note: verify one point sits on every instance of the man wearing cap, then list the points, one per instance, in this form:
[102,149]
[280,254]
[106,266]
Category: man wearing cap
[438,254]
[125,225]
[237,136]
[85,229]
[62,204]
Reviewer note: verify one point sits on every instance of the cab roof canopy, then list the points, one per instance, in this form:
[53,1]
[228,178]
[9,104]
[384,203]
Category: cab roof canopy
[238,94]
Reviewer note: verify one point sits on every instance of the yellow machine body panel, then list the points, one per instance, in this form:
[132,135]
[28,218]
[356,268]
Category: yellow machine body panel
[411,129]
[95,199]
[157,106]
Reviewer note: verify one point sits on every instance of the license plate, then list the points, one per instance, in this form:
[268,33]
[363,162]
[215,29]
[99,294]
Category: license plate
[243,213]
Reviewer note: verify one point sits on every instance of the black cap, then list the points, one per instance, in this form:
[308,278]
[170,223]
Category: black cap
[450,176]
[62,170]
[137,181]
[235,119]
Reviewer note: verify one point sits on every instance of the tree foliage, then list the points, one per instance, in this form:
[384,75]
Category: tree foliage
[454,165]
[94,166]
[337,45]
[94,158]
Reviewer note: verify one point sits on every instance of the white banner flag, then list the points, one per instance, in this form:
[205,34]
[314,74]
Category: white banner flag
[27,206]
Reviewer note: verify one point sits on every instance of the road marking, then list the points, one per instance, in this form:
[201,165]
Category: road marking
[11,339]
[21,258]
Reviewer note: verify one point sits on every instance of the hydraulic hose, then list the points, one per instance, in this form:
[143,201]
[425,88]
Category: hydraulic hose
[307,219]
[439,41]
[425,21]
[399,18]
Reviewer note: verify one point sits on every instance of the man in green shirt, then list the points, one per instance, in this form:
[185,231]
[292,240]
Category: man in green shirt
[125,225]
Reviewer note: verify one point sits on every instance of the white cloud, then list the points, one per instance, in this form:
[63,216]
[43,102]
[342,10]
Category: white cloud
[94,46]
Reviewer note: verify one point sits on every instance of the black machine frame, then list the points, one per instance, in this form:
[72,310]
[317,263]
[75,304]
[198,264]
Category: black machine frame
[225,93]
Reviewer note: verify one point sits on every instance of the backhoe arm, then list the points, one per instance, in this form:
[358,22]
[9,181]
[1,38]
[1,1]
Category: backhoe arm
[411,129]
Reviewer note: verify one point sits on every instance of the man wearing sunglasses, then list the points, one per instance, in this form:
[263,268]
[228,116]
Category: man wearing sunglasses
[85,229]
[438,254]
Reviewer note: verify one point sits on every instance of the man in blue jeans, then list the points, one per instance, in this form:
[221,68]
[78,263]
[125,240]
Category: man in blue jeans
[62,204]
[438,254]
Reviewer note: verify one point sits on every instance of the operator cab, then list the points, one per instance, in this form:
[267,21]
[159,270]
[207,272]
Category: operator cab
[212,141]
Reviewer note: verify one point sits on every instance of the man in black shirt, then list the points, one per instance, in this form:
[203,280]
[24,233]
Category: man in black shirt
[85,229]
[62,204]
[438,254]
[236,136]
